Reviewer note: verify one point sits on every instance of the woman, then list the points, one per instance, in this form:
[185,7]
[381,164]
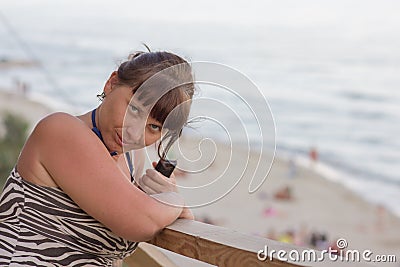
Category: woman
[69,201]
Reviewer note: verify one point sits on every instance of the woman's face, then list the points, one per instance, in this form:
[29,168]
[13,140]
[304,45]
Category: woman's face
[124,123]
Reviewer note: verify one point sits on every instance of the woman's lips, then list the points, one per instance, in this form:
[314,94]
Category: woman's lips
[119,139]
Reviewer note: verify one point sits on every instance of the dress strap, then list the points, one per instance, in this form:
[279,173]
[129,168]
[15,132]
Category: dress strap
[97,131]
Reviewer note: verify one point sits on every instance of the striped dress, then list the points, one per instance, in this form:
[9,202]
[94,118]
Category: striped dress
[42,226]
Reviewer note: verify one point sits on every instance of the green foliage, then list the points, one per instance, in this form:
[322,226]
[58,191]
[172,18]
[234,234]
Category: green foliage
[11,143]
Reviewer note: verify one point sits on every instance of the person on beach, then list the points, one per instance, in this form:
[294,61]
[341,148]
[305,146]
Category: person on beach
[313,154]
[72,199]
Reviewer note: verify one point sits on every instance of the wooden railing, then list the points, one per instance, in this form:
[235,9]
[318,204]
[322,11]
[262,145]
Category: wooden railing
[221,247]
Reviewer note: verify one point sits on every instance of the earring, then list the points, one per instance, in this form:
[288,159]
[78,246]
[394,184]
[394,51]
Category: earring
[101,96]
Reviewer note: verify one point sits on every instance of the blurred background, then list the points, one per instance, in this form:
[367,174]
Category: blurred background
[329,70]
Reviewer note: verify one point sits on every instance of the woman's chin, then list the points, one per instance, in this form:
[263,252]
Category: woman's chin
[129,147]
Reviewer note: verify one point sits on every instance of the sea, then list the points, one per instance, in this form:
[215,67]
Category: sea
[329,71]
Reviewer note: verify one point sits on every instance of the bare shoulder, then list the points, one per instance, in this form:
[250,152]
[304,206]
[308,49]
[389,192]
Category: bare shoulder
[65,132]
[58,121]
[48,137]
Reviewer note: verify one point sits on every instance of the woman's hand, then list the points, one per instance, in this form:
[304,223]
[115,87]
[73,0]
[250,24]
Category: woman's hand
[153,182]
[186,214]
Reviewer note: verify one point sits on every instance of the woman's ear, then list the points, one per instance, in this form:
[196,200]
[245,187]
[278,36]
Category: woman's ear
[109,86]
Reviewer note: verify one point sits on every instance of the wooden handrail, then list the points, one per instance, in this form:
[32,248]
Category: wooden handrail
[147,255]
[229,248]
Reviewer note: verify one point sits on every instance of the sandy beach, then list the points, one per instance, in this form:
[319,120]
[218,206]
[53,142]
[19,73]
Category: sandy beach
[315,204]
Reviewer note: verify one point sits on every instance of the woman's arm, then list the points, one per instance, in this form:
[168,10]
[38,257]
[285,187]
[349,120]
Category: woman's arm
[152,183]
[81,165]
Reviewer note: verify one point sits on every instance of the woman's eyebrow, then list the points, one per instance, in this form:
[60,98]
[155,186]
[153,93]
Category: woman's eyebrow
[137,105]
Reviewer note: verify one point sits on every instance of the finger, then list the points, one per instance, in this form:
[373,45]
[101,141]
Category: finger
[149,182]
[172,179]
[148,190]
[158,182]
[148,185]
[157,177]
[154,164]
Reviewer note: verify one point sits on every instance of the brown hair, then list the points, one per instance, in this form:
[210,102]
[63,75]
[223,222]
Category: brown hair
[140,67]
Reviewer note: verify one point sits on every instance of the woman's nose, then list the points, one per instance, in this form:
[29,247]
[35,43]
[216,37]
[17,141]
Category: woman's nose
[134,135]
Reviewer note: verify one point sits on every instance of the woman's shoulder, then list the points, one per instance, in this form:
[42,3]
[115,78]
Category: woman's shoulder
[58,118]
[61,130]
[59,123]
[55,132]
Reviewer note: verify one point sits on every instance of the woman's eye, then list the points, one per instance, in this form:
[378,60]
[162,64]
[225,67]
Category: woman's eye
[134,109]
[155,127]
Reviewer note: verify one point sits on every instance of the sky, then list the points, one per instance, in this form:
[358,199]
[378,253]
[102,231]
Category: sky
[382,13]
